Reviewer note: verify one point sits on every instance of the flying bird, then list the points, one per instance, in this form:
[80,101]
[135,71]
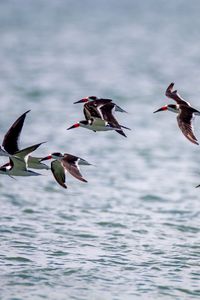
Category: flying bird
[99,116]
[65,162]
[185,113]
[94,124]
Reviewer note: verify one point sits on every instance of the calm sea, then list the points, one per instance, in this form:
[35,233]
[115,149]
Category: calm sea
[133,231]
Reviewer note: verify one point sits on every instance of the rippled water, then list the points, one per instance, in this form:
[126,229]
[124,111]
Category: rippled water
[133,230]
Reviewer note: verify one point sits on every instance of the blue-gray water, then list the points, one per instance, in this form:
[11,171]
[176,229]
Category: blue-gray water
[133,231]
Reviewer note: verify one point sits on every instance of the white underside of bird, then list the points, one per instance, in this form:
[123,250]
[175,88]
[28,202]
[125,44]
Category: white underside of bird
[98,124]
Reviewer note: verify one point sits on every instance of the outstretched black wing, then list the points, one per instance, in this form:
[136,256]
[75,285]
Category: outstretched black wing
[11,138]
[107,115]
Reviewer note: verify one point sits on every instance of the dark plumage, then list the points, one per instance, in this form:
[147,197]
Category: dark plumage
[66,162]
[185,113]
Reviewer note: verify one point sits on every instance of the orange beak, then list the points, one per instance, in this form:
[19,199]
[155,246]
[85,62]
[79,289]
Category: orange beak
[47,157]
[161,109]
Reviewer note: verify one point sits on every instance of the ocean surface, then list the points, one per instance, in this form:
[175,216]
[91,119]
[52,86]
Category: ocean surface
[132,231]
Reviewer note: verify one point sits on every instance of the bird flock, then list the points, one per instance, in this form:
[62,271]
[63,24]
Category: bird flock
[98,113]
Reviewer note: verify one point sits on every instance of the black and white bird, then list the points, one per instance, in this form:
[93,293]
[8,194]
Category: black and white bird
[94,124]
[10,145]
[185,113]
[99,116]
[65,162]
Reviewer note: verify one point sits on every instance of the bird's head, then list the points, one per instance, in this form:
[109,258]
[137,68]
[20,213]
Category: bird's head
[170,107]
[86,99]
[165,107]
[54,155]
[82,123]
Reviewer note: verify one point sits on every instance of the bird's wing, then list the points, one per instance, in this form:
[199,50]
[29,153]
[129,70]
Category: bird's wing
[18,163]
[117,107]
[184,119]
[70,163]
[71,158]
[90,110]
[76,159]
[58,173]
[35,163]
[107,115]
[104,100]
[175,96]
[10,141]
[23,154]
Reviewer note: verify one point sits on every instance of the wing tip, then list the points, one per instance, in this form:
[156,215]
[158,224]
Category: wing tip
[193,140]
[82,179]
[169,89]
[26,112]
[121,132]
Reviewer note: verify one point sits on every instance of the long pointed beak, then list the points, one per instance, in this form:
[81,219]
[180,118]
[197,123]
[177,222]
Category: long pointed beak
[46,157]
[74,126]
[160,109]
[81,101]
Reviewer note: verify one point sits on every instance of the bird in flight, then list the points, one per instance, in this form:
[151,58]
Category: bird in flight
[99,116]
[65,162]
[185,113]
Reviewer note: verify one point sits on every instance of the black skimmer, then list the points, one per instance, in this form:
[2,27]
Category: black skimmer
[11,140]
[66,162]
[17,165]
[99,117]
[94,124]
[185,113]
[100,101]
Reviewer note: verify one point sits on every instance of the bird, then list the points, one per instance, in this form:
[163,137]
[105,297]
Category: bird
[101,101]
[66,162]
[99,117]
[10,143]
[17,165]
[94,124]
[185,113]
